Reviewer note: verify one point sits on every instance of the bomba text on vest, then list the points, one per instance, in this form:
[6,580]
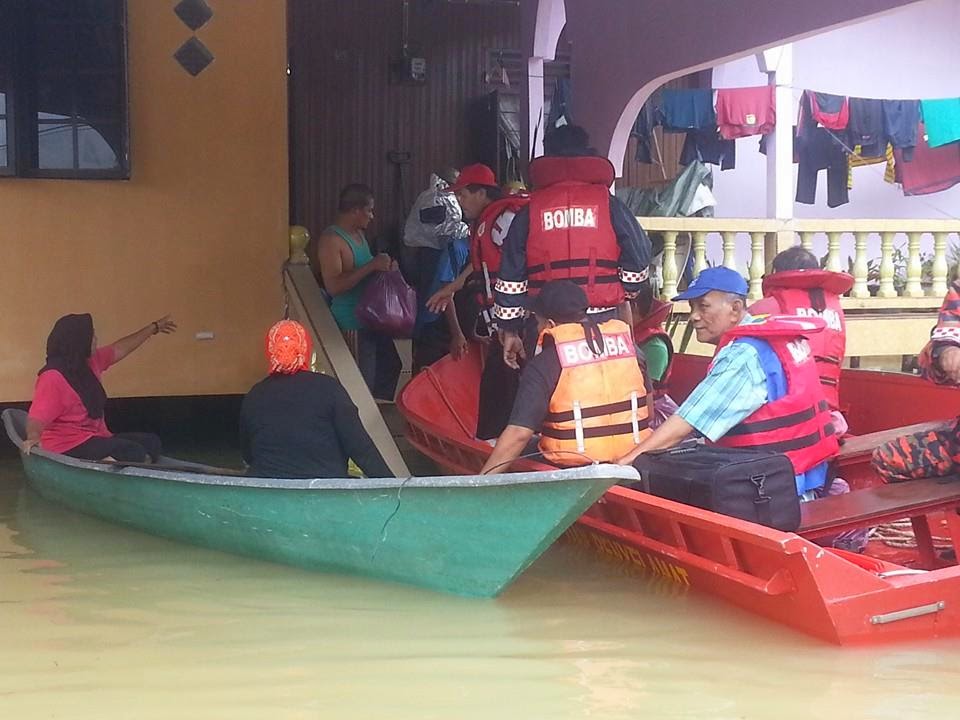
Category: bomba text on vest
[570,217]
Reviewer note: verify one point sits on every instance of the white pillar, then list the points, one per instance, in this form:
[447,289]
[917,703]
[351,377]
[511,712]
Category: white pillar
[778,64]
[536,119]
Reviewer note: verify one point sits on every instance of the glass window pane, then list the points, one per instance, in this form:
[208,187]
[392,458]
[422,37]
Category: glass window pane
[3,143]
[55,146]
[99,97]
[96,150]
[100,11]
[100,47]
[54,10]
[55,95]
[55,47]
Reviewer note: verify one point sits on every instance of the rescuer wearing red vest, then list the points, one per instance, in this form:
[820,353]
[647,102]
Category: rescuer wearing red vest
[762,389]
[490,214]
[798,286]
[573,229]
[583,390]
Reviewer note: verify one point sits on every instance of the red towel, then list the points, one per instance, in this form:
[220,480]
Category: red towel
[746,111]
[931,170]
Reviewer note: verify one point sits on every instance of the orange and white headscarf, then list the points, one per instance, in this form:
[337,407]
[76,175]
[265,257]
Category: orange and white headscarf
[289,348]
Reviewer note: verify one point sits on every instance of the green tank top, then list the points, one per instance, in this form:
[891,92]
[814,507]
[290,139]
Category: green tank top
[344,305]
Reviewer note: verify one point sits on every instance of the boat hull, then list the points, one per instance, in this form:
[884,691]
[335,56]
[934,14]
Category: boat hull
[781,576]
[467,536]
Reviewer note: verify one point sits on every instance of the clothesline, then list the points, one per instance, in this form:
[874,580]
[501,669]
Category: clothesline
[923,135]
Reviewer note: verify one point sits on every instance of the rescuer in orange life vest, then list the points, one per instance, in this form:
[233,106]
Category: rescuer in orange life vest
[762,390]
[583,389]
[573,229]
[797,286]
[490,214]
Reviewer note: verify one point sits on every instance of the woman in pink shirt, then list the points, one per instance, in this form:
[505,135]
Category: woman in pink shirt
[66,415]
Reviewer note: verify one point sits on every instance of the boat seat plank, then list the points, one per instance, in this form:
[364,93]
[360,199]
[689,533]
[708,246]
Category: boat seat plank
[858,445]
[878,504]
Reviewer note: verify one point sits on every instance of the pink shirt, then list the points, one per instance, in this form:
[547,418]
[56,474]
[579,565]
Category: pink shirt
[57,405]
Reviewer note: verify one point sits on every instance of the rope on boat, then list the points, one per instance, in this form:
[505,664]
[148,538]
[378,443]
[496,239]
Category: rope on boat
[899,534]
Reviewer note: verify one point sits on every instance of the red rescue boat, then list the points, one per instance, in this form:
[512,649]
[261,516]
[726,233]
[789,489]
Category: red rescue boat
[845,598]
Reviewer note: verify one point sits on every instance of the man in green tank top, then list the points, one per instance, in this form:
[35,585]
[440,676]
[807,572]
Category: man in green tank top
[344,261]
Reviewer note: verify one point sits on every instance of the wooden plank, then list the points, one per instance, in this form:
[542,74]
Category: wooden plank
[897,500]
[309,307]
[861,444]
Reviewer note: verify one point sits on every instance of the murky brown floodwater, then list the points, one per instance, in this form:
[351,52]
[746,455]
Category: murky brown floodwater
[103,623]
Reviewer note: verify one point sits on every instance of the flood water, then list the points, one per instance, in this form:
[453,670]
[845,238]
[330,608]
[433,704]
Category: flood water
[104,623]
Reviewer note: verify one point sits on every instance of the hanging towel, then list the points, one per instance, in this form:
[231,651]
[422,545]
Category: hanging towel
[688,109]
[746,111]
[830,111]
[900,120]
[942,120]
[866,126]
[932,169]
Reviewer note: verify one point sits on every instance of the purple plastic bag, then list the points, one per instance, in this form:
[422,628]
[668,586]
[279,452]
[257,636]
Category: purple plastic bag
[388,305]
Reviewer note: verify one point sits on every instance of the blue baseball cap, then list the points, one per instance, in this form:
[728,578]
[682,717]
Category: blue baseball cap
[721,278]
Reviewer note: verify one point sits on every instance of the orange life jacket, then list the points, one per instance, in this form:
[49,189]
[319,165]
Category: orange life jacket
[600,407]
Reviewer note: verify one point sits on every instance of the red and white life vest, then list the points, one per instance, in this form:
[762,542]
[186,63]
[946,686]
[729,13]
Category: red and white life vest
[798,424]
[486,239]
[816,293]
[571,234]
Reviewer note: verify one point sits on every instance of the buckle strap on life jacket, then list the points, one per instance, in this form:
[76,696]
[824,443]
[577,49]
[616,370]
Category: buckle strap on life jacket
[760,426]
[573,263]
[832,382]
[798,443]
[594,432]
[595,410]
[579,280]
[827,359]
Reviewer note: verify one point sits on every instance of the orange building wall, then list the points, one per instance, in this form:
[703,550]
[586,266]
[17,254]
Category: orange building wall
[198,231]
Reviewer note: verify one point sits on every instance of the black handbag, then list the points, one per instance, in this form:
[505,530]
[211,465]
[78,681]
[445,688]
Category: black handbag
[746,484]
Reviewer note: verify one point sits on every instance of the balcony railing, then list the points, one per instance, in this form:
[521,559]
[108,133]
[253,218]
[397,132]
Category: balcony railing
[895,263]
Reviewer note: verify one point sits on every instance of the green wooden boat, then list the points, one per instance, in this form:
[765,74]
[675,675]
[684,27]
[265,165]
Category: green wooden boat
[467,535]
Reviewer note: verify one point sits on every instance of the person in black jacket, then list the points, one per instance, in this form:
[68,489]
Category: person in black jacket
[299,424]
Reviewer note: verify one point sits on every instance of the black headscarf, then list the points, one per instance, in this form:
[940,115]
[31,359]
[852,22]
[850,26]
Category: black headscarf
[68,352]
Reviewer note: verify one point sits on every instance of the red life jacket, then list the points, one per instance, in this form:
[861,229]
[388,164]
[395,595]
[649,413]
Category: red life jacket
[651,327]
[816,293]
[571,234]
[798,424]
[486,240]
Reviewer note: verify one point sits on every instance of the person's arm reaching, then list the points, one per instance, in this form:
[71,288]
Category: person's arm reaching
[438,302]
[509,446]
[673,431]
[126,345]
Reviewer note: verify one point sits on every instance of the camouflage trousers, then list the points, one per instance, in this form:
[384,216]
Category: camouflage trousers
[934,453]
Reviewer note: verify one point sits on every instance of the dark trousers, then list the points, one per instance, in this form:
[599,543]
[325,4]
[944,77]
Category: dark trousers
[379,363]
[498,389]
[125,447]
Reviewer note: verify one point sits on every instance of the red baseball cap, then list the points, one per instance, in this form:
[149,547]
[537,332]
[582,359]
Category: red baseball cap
[478,174]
